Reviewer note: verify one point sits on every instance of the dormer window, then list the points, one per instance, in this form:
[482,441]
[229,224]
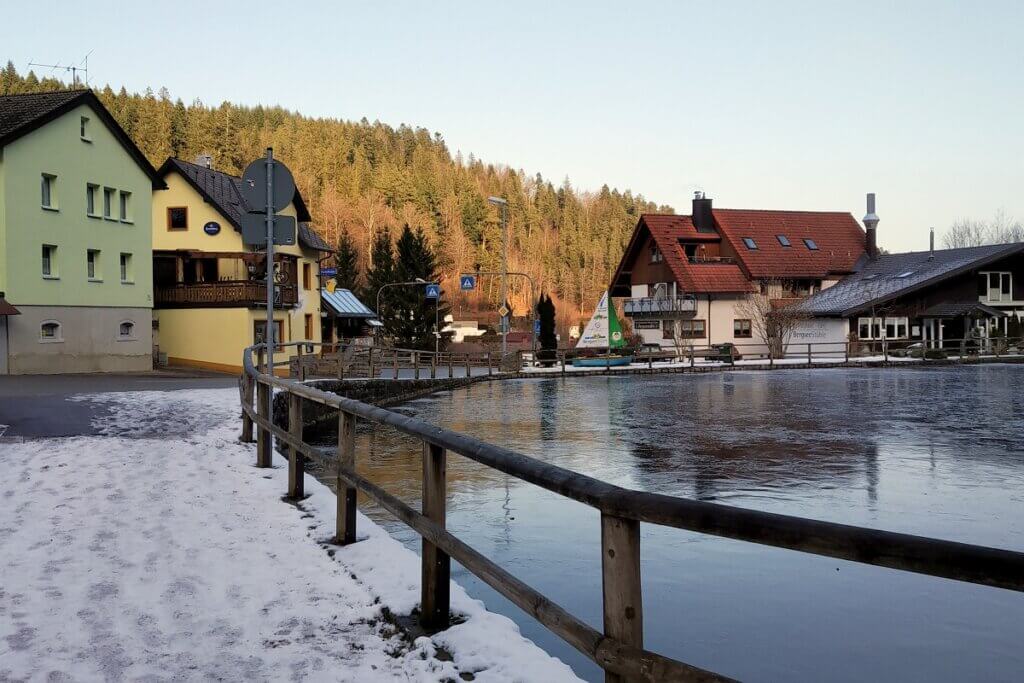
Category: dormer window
[811,244]
[751,244]
[783,240]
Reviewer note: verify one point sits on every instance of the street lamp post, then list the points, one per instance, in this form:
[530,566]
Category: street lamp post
[533,304]
[502,204]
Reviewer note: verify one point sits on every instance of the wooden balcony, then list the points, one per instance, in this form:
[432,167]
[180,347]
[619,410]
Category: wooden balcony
[223,295]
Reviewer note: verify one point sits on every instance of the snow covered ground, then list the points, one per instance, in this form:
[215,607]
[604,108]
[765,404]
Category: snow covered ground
[157,551]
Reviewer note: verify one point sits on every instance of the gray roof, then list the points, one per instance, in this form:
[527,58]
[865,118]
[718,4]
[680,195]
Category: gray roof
[345,304]
[224,191]
[893,275]
[960,309]
[22,114]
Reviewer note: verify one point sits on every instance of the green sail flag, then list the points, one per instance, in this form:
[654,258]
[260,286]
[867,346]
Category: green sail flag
[616,340]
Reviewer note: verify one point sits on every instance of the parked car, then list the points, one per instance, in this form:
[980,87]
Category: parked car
[723,353]
[656,353]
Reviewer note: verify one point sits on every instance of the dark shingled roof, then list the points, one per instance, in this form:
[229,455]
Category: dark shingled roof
[879,280]
[224,191]
[22,114]
[960,309]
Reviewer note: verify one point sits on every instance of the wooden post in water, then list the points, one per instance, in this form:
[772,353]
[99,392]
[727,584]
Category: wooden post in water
[264,439]
[396,363]
[345,527]
[620,581]
[467,366]
[416,364]
[488,363]
[436,589]
[451,370]
[248,384]
[433,366]
[296,461]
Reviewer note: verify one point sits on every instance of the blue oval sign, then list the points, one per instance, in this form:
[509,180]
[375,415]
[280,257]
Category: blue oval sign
[211,228]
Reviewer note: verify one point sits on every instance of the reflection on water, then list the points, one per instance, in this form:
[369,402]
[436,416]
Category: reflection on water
[935,453]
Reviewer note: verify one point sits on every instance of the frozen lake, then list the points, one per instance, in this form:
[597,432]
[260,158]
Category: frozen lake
[937,452]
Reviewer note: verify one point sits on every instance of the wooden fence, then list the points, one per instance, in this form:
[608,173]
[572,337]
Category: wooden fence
[352,361]
[956,350]
[619,647]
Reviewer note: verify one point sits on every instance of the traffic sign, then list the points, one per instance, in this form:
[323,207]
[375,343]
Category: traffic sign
[503,311]
[467,282]
[328,272]
[536,327]
[254,186]
[432,291]
[254,229]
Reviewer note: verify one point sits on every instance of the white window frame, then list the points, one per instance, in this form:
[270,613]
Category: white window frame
[48,264]
[131,333]
[125,268]
[92,262]
[83,129]
[48,192]
[109,194]
[124,203]
[1001,275]
[58,333]
[878,328]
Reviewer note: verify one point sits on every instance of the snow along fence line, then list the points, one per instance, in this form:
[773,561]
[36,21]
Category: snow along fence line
[619,649]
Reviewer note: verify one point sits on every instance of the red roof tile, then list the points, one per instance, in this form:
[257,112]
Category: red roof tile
[839,238]
[693,277]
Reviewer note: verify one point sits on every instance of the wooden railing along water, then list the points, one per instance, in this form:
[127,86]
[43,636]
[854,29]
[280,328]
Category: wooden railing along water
[618,647]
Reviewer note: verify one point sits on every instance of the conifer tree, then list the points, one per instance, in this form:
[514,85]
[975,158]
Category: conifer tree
[546,314]
[380,273]
[346,261]
[413,326]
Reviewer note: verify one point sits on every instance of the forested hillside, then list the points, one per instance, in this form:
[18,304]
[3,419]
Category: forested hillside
[363,176]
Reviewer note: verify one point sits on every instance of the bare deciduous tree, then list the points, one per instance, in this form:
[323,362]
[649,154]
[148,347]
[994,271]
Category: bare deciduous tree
[968,232]
[772,319]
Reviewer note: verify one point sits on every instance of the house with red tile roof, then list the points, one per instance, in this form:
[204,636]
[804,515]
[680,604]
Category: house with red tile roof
[682,277]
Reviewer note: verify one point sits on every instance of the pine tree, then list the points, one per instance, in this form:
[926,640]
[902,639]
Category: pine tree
[346,261]
[413,326]
[380,273]
[546,315]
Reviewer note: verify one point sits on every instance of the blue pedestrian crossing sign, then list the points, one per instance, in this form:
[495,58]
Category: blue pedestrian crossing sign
[536,327]
[433,291]
[467,282]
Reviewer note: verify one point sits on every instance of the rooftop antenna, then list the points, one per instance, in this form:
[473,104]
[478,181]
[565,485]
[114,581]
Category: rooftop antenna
[82,67]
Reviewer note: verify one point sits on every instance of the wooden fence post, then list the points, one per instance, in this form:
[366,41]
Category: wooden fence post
[620,581]
[345,528]
[846,351]
[416,364]
[451,370]
[296,461]
[435,597]
[808,354]
[468,373]
[264,439]
[248,389]
[488,363]
[396,363]
[563,362]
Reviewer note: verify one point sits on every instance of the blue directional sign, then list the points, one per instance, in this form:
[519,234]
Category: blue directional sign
[536,327]
[432,291]
[467,282]
[328,272]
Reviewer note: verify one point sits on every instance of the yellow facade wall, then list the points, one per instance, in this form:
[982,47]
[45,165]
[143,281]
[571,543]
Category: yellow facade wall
[215,337]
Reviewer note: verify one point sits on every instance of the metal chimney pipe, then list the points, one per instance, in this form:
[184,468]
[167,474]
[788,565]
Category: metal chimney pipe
[931,244]
[871,224]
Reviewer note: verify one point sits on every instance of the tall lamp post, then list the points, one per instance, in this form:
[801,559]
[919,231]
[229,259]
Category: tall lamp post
[502,204]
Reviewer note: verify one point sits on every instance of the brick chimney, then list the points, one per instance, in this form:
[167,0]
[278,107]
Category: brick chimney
[205,160]
[871,226]
[701,216]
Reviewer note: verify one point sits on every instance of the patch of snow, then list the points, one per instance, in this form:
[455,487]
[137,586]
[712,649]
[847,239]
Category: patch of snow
[160,551]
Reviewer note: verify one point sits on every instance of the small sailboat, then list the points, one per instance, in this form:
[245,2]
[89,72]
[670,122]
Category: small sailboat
[603,332]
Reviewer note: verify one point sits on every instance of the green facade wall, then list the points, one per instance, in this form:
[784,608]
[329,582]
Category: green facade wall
[56,148]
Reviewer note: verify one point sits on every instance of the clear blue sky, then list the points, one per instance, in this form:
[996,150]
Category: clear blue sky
[761,105]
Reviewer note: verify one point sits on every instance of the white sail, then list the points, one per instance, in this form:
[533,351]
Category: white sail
[595,335]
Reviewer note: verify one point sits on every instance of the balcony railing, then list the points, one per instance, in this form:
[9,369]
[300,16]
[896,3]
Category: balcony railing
[222,294]
[662,305]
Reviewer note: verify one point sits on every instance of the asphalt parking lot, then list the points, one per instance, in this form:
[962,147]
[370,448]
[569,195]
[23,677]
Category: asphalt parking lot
[33,406]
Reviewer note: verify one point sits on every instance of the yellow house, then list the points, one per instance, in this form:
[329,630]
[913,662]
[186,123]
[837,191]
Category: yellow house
[209,291]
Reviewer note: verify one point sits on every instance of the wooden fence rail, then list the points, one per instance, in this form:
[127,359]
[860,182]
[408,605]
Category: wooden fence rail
[351,361]
[619,648]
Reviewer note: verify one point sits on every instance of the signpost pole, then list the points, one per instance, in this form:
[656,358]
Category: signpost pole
[268,334]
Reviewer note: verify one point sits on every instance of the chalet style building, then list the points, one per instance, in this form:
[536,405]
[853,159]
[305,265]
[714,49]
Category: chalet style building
[935,297]
[682,277]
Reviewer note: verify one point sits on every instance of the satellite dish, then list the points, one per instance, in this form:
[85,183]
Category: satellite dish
[254,186]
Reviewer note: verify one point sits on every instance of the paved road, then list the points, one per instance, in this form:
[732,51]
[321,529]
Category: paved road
[38,405]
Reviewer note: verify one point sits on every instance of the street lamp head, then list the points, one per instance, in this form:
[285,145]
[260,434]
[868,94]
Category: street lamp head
[421,280]
[497,201]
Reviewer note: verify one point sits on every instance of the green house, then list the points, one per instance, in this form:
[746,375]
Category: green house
[76,284]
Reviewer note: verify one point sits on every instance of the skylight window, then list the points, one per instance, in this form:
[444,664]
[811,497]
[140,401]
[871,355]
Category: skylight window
[783,240]
[870,277]
[751,244]
[811,244]
[906,273]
